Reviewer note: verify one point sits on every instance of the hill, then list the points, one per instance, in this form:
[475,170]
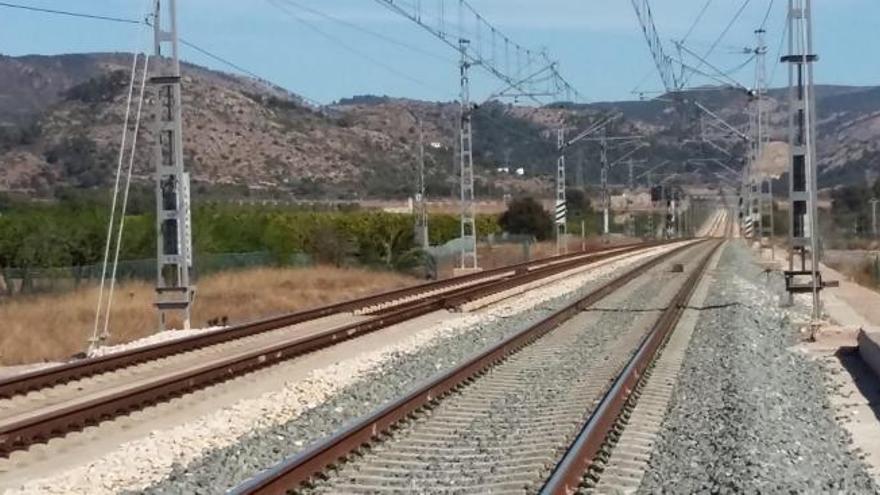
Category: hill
[61,116]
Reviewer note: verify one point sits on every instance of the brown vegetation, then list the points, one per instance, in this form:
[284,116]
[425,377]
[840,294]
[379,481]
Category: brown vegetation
[56,326]
[858,266]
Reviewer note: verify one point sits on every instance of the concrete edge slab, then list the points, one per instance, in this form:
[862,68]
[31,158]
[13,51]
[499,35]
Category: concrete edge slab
[869,348]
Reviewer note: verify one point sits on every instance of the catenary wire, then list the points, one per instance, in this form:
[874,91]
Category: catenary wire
[370,32]
[348,47]
[183,41]
[696,21]
[724,32]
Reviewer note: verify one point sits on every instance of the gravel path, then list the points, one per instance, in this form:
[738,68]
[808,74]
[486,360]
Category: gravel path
[228,466]
[749,413]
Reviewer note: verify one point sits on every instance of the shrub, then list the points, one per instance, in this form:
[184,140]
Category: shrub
[527,216]
[99,89]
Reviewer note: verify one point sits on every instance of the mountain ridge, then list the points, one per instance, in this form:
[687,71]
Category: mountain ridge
[61,117]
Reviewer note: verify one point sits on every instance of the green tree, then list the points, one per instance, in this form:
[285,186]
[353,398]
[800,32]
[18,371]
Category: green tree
[81,161]
[527,216]
[283,237]
[578,203]
[330,243]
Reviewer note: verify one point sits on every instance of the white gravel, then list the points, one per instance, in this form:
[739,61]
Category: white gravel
[156,338]
[138,464]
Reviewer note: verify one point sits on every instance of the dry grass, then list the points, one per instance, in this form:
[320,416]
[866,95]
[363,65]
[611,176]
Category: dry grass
[858,267]
[56,326]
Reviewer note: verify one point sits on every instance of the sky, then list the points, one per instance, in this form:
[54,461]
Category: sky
[331,49]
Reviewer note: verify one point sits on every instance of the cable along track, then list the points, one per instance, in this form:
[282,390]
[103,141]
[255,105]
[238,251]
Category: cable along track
[499,421]
[36,417]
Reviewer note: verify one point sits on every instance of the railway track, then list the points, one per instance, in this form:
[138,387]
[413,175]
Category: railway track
[74,370]
[718,225]
[502,420]
[52,402]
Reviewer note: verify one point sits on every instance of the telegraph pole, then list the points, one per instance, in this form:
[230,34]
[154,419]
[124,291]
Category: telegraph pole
[874,216]
[561,206]
[174,246]
[631,182]
[804,231]
[631,189]
[676,211]
[684,212]
[583,235]
[760,90]
[760,120]
[772,219]
[603,146]
[466,166]
[580,182]
[758,204]
[421,213]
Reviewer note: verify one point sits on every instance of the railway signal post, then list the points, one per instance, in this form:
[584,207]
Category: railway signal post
[560,212]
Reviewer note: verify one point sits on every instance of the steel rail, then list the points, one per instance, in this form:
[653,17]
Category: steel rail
[570,471]
[455,299]
[74,370]
[300,468]
[37,426]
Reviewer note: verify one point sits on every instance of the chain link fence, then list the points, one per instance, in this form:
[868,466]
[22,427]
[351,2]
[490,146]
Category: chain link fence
[17,281]
[492,251]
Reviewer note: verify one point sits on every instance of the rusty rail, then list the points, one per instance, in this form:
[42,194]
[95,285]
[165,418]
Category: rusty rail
[41,426]
[299,469]
[570,470]
[38,379]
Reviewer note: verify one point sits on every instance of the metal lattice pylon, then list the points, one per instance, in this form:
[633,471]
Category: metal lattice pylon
[759,119]
[173,220]
[803,232]
[560,213]
[603,179]
[466,166]
[421,202]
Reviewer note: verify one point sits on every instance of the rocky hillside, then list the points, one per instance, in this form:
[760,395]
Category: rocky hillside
[848,125]
[61,120]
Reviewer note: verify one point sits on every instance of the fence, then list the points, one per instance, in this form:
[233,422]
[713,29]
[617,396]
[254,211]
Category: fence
[35,280]
[492,251]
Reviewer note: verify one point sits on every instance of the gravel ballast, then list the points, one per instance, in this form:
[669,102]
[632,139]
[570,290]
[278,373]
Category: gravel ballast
[254,452]
[749,412]
[315,403]
[508,428]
